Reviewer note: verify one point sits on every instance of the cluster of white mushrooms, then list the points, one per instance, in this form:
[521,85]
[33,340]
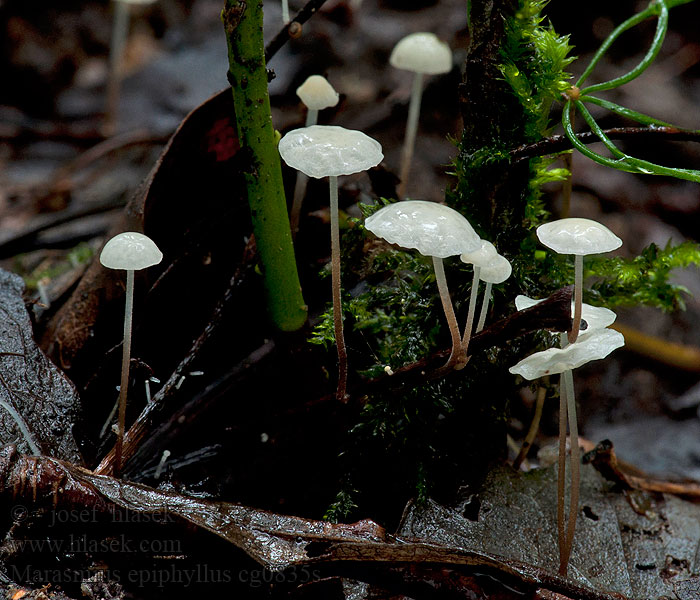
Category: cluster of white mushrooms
[433,229]
[439,231]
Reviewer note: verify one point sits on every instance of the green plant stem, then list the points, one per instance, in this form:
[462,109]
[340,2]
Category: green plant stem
[626,112]
[337,302]
[126,361]
[622,161]
[657,7]
[243,23]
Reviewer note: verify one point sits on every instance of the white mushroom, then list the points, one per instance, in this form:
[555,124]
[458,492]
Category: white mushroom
[485,253]
[120,30]
[596,317]
[579,237]
[434,230]
[496,271]
[130,251]
[329,151]
[594,346]
[316,94]
[595,343]
[422,53]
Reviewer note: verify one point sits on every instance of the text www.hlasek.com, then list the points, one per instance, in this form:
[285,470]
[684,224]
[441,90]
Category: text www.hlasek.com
[77,544]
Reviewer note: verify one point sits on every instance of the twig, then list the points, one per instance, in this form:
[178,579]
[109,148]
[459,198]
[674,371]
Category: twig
[559,143]
[294,25]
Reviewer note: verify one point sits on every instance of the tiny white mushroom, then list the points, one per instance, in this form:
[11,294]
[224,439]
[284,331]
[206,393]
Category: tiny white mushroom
[578,237]
[485,253]
[120,30]
[595,345]
[497,271]
[434,230]
[596,317]
[329,151]
[129,251]
[316,93]
[422,53]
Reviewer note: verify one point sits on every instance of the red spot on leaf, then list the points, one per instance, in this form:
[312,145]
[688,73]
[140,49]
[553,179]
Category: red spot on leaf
[222,140]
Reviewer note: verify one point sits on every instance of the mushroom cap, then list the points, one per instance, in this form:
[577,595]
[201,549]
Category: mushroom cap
[322,150]
[578,236]
[482,256]
[594,346]
[497,270]
[131,251]
[422,53]
[431,228]
[316,93]
[596,317]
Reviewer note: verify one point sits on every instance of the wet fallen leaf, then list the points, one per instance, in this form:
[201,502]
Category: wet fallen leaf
[30,383]
[640,545]
[360,551]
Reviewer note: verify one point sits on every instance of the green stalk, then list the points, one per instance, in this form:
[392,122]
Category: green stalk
[659,8]
[628,113]
[243,22]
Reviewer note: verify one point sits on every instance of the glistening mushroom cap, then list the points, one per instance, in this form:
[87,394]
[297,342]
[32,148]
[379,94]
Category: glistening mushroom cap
[596,345]
[497,270]
[596,317]
[323,150]
[131,251]
[431,228]
[483,255]
[578,236]
[422,53]
[316,93]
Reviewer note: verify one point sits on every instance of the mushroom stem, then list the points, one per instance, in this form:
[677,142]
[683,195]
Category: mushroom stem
[337,304]
[126,360]
[311,117]
[458,357]
[578,298]
[472,309]
[561,473]
[411,130]
[302,180]
[120,30]
[534,428]
[484,306]
[285,11]
[575,471]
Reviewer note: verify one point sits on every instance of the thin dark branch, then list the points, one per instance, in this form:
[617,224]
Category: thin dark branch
[283,36]
[553,314]
[559,143]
